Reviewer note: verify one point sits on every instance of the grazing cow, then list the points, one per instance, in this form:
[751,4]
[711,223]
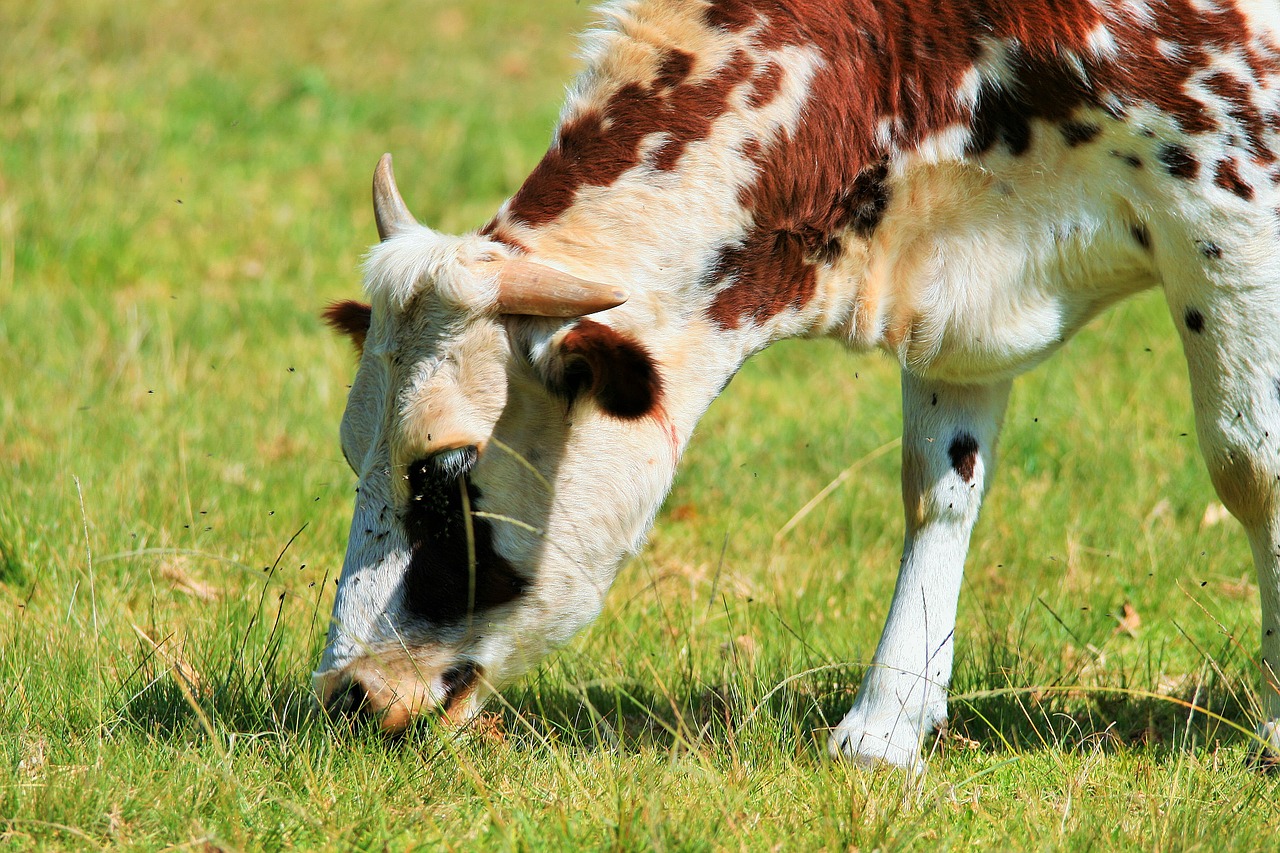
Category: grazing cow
[960,183]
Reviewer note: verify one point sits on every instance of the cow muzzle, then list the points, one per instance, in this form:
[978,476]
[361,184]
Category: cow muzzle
[393,699]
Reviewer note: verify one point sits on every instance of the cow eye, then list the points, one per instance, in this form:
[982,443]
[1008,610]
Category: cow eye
[443,467]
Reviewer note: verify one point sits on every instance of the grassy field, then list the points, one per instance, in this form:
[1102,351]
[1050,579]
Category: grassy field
[184,185]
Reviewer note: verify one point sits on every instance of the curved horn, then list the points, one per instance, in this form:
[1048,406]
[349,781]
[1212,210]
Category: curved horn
[389,209]
[535,290]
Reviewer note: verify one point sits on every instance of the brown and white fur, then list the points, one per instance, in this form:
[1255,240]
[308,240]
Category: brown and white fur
[962,184]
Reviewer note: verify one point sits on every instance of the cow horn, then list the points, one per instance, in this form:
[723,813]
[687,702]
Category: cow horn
[389,209]
[534,290]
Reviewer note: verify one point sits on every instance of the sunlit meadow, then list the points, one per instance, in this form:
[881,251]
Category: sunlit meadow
[184,185]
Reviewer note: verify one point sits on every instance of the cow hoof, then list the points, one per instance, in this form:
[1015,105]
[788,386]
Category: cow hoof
[1265,754]
[894,744]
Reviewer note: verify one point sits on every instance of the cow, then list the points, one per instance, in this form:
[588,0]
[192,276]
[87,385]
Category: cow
[961,184]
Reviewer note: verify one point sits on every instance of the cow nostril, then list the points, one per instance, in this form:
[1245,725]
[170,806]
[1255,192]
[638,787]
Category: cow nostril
[458,682]
[348,698]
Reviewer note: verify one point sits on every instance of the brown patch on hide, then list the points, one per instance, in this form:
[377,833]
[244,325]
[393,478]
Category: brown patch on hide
[1045,87]
[1228,177]
[889,79]
[350,318]
[500,233]
[612,368]
[1179,161]
[730,15]
[674,69]
[868,199]
[766,85]
[766,274]
[1240,107]
[595,147]
[1143,73]
[901,60]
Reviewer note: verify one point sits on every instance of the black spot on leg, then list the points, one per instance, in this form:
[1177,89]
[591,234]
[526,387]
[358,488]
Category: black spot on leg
[1179,161]
[1194,320]
[964,455]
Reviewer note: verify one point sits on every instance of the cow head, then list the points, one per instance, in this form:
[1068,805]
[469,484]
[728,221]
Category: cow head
[509,452]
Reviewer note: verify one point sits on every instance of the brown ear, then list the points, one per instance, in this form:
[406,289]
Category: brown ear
[615,370]
[351,319]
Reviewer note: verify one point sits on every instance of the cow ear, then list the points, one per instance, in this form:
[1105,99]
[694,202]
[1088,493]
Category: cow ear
[615,370]
[351,319]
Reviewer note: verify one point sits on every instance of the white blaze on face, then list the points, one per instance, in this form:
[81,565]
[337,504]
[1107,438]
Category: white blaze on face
[431,380]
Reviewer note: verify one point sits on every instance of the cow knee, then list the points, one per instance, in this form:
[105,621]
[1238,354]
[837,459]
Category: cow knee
[1247,480]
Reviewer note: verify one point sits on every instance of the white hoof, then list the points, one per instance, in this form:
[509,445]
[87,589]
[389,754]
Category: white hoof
[1265,753]
[893,742]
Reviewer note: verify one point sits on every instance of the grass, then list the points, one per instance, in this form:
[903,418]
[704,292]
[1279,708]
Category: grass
[184,185]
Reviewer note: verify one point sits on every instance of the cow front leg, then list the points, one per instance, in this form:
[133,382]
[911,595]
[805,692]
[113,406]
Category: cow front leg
[948,454]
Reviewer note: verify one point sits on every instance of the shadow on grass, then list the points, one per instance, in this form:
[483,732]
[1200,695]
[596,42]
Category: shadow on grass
[1111,717]
[1106,719]
[165,705]
[789,713]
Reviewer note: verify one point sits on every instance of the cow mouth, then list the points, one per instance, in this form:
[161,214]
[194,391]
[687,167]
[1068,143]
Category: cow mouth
[393,703]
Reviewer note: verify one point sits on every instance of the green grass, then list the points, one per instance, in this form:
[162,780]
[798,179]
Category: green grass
[184,185]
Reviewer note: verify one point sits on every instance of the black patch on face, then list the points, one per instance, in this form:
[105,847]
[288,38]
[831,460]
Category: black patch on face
[1141,236]
[1077,133]
[964,455]
[1179,161]
[1194,320]
[1209,249]
[439,586]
